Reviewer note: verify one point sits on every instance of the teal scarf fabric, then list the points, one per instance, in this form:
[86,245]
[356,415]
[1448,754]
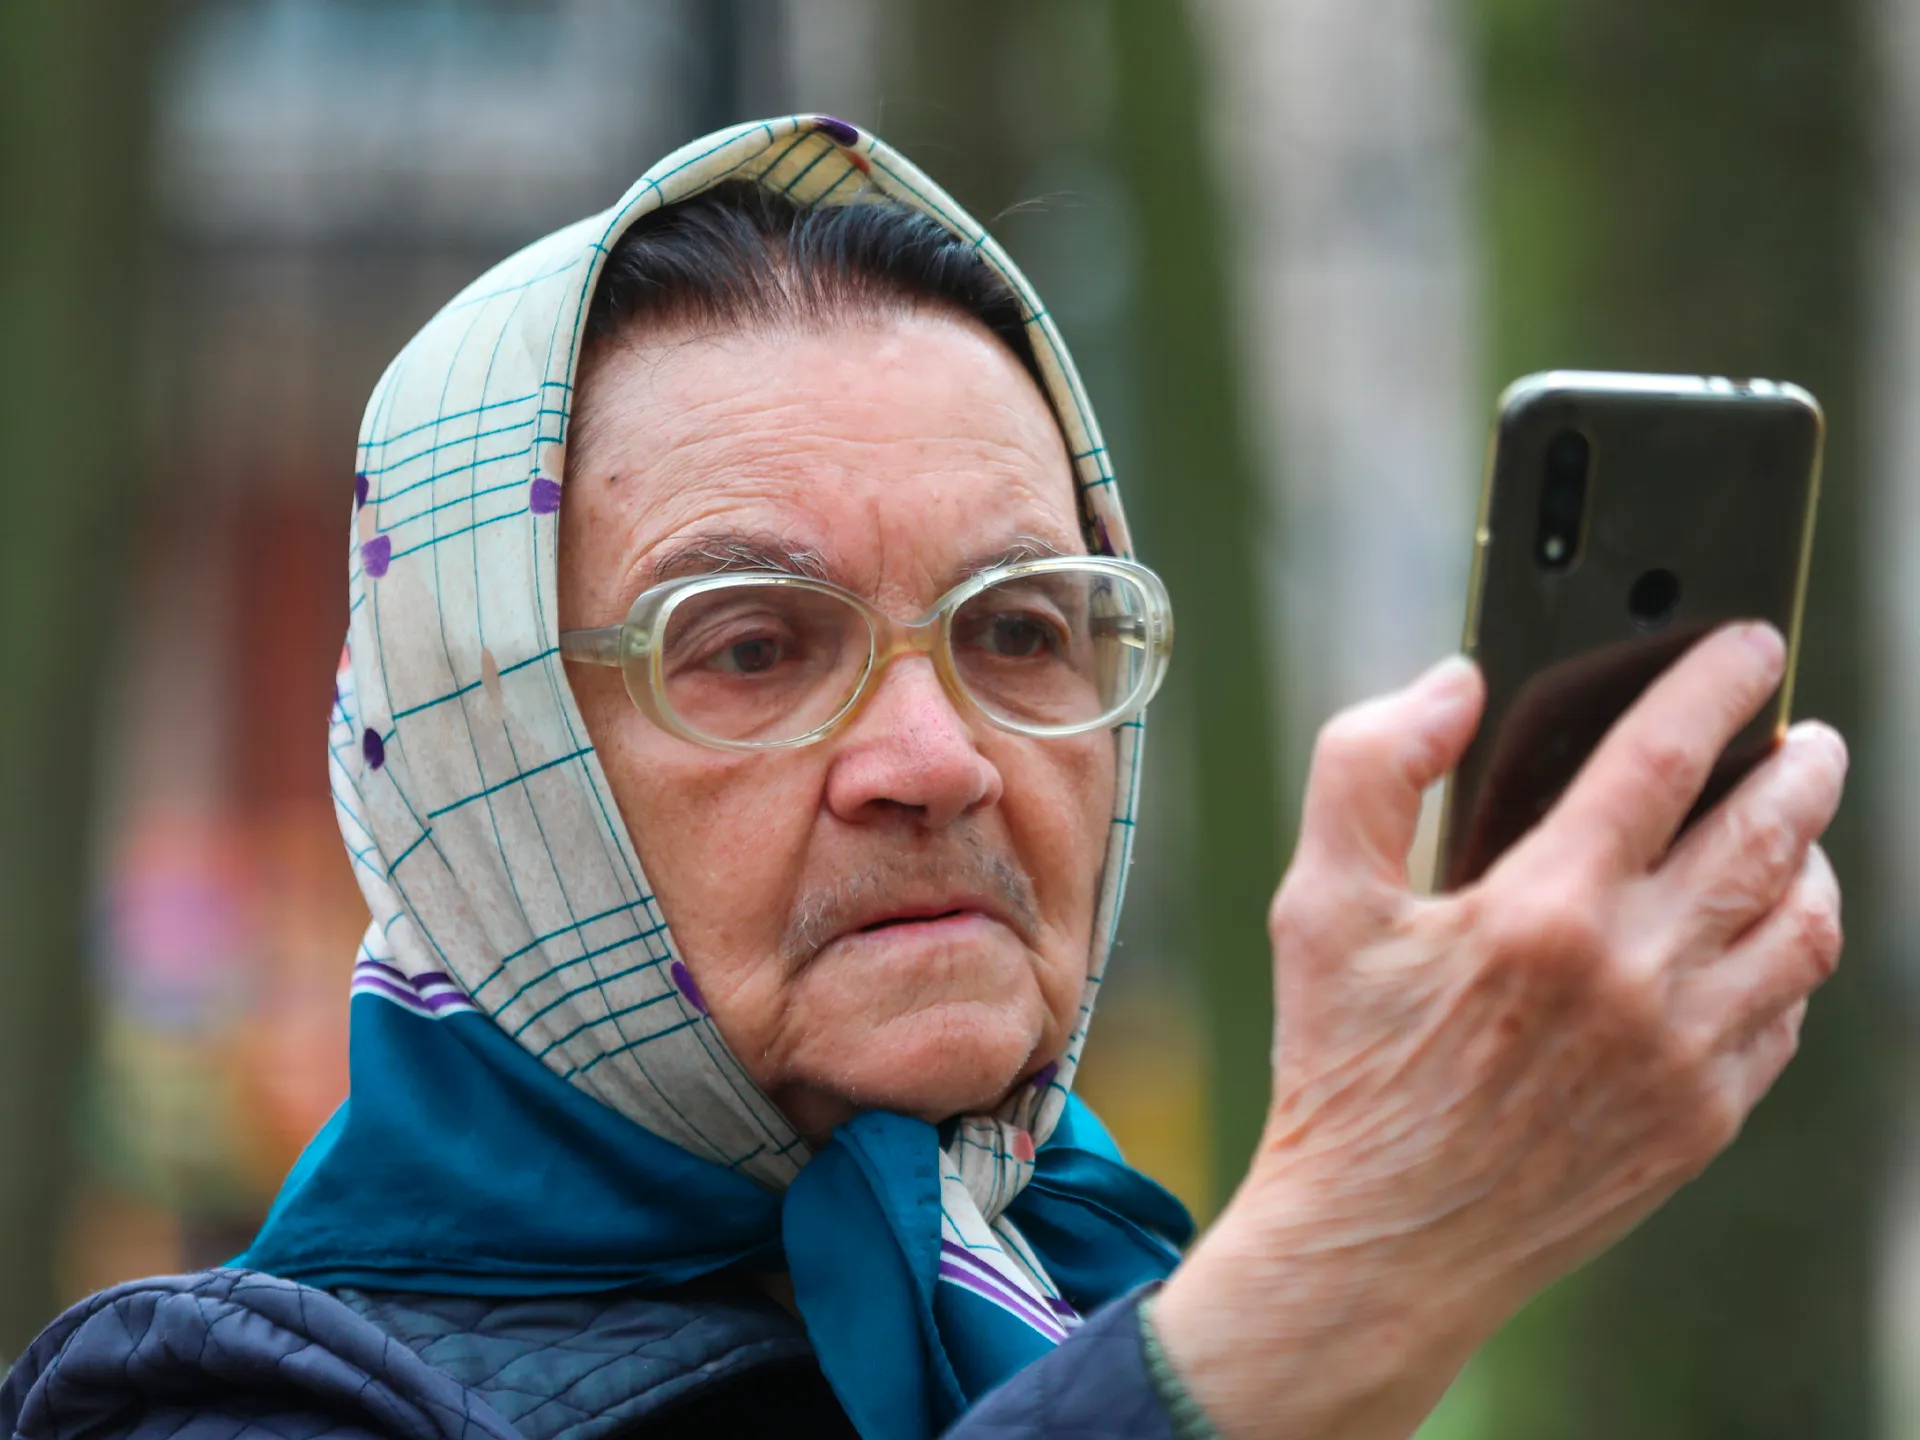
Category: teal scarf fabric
[462,1166]
[540,1101]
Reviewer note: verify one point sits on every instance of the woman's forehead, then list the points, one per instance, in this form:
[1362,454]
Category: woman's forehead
[901,452]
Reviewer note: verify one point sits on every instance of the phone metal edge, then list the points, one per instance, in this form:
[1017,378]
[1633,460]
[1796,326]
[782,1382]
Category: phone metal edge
[1809,519]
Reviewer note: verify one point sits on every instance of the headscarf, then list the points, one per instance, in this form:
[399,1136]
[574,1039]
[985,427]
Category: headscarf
[540,1102]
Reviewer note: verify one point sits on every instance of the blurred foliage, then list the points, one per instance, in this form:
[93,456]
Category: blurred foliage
[1680,185]
[73,262]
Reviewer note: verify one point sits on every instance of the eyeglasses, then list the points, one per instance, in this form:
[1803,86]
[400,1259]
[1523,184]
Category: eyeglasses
[762,661]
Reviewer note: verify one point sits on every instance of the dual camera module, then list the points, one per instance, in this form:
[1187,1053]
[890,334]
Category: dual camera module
[1567,475]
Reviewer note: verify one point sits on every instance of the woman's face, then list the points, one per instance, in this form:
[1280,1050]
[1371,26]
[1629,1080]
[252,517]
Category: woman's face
[898,917]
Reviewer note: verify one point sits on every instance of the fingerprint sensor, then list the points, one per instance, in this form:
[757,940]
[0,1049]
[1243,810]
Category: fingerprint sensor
[1654,598]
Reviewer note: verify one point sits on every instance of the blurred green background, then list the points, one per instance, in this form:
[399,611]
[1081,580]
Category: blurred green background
[1297,245]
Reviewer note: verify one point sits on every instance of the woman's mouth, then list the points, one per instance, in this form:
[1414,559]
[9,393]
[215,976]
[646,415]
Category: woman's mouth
[892,921]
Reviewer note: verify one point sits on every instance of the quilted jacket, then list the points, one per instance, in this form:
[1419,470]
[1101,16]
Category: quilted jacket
[236,1355]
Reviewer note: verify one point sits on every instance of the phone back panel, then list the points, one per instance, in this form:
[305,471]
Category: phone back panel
[1711,481]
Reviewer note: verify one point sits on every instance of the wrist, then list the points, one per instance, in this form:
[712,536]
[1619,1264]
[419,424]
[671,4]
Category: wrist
[1185,1415]
[1285,1324]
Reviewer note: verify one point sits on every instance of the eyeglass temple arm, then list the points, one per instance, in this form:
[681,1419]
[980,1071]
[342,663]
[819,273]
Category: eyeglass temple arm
[1132,629]
[592,647]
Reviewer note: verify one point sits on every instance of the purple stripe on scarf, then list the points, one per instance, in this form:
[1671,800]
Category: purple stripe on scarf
[404,995]
[418,982]
[966,1257]
[1004,1298]
[961,1266]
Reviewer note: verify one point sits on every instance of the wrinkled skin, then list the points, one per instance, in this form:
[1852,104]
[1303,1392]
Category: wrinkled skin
[896,448]
[1475,1093]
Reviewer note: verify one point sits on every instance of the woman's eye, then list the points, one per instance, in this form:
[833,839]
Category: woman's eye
[749,657]
[1017,636]
[738,649]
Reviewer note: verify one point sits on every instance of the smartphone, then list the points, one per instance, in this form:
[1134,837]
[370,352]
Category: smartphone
[1622,518]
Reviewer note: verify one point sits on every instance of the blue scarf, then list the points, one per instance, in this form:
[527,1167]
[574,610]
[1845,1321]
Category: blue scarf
[462,1165]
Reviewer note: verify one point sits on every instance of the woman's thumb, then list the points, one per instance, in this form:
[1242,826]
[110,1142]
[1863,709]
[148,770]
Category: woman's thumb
[1373,762]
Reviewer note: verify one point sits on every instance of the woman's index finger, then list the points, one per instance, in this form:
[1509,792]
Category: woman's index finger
[1631,797]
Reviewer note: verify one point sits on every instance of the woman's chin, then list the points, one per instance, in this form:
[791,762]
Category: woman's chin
[955,1058]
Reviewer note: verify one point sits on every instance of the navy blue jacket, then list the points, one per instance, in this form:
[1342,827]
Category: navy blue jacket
[235,1355]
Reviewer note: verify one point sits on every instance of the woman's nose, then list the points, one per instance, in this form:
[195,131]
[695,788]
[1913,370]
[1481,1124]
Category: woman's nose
[910,749]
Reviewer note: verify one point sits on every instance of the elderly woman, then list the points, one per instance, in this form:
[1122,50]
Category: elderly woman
[737,745]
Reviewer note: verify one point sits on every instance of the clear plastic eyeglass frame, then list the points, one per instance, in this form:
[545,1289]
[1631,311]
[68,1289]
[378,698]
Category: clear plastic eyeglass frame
[635,647]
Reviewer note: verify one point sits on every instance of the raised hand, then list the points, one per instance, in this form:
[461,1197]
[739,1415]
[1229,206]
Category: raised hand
[1475,1092]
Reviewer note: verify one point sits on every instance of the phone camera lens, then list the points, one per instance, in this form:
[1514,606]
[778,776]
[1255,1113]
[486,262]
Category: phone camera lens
[1563,499]
[1654,598]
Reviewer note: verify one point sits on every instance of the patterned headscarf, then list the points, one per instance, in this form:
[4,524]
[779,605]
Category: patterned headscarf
[540,1101]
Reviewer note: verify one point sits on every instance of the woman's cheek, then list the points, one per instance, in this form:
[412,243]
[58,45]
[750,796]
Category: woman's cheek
[1060,801]
[739,842]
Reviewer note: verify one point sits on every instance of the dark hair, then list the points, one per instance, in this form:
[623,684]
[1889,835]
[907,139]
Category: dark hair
[741,254]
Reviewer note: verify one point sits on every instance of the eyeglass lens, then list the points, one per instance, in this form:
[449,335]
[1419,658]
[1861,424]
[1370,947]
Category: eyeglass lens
[765,662]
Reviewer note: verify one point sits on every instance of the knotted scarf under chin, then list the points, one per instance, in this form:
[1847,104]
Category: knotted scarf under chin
[462,1165]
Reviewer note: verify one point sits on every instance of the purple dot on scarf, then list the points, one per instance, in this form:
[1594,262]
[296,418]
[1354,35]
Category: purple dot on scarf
[543,496]
[687,988]
[359,491]
[839,131]
[1043,1077]
[376,555]
[374,748]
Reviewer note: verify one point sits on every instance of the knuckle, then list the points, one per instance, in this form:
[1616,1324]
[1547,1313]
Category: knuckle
[1286,926]
[1687,1055]
[1764,851]
[1631,1002]
[1348,739]
[1784,1042]
[1665,764]
[1320,910]
[1717,1118]
[1819,931]
[1299,918]
[1707,1115]
[1551,924]
[1750,870]
[1773,1050]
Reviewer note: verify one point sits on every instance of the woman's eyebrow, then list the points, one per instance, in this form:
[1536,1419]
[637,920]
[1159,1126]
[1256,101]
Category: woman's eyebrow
[722,551]
[1021,548]
[719,552]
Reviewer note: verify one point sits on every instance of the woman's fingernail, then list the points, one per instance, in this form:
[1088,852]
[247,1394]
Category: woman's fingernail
[1814,734]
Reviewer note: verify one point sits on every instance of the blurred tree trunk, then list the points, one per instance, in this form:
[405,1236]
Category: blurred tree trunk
[1202,503]
[1892,800]
[993,91]
[1678,185]
[73,258]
